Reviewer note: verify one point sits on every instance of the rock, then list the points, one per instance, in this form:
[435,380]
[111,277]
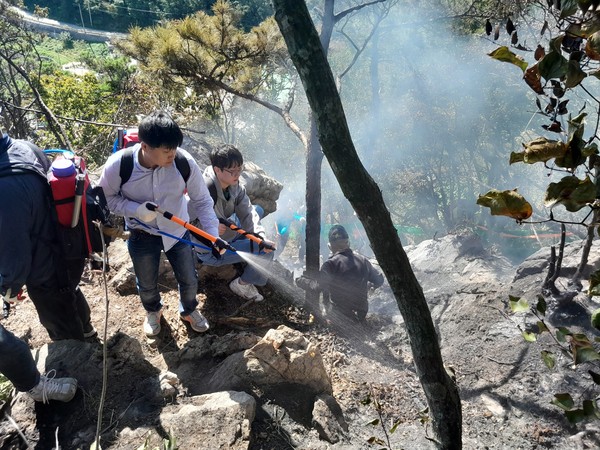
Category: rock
[282,356]
[328,419]
[218,420]
[233,343]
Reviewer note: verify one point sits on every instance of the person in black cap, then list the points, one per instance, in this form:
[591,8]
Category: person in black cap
[345,277]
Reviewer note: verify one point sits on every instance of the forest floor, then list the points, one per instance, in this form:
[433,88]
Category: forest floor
[505,388]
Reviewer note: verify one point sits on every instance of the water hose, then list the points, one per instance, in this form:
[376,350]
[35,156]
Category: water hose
[218,245]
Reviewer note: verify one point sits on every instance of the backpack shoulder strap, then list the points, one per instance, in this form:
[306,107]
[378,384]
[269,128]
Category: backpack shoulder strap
[212,189]
[126,167]
[183,166]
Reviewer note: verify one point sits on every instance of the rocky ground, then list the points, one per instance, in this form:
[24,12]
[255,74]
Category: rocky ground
[505,387]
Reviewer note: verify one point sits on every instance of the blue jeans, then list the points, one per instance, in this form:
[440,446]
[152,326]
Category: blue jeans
[16,362]
[252,274]
[145,250]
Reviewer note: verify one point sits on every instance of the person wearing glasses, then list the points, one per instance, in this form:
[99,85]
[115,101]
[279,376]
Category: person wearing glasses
[231,202]
[156,180]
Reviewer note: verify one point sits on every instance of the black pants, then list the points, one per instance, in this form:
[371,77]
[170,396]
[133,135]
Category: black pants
[60,304]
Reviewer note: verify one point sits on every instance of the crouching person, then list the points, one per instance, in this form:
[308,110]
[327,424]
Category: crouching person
[231,203]
[17,364]
[345,278]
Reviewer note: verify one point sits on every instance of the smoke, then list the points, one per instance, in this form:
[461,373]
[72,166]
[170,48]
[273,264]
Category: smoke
[433,118]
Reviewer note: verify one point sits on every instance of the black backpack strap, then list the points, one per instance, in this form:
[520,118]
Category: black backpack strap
[183,166]
[212,189]
[126,168]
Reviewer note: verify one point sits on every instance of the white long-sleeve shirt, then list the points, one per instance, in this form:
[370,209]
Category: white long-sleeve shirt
[164,186]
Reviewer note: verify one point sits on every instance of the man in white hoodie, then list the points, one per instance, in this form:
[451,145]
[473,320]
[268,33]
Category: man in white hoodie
[232,203]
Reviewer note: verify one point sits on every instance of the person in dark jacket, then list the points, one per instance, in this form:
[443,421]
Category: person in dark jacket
[30,252]
[346,276]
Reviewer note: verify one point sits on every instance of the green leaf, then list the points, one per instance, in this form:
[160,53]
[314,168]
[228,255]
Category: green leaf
[596,319]
[395,426]
[582,340]
[374,440]
[574,74]
[541,327]
[506,203]
[589,408]
[594,288]
[518,304]
[529,337]
[561,332]
[568,8]
[585,354]
[575,415]
[548,359]
[540,150]
[571,192]
[541,306]
[563,401]
[505,55]
[553,65]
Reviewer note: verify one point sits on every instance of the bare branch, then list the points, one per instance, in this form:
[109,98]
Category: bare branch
[341,15]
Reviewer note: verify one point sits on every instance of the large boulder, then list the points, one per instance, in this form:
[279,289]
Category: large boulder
[282,357]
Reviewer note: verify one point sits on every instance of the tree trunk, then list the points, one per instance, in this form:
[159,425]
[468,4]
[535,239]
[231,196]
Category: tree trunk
[363,193]
[314,160]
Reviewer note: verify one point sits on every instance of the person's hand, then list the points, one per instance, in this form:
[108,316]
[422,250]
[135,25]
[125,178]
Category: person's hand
[219,247]
[144,213]
[222,229]
[307,284]
[267,246]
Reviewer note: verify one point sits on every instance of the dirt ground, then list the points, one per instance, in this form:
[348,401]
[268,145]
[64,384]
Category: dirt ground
[505,388]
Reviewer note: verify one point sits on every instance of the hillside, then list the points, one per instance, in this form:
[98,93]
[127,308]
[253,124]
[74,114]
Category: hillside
[505,388]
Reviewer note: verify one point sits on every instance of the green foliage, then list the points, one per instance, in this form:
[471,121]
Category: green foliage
[379,422]
[505,55]
[170,443]
[560,66]
[120,16]
[596,318]
[518,304]
[578,347]
[85,98]
[6,389]
[210,52]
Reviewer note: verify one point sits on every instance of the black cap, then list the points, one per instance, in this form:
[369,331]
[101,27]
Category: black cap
[337,232]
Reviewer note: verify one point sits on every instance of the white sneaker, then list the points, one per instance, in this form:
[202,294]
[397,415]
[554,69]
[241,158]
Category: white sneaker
[91,333]
[197,321]
[152,323]
[50,388]
[247,291]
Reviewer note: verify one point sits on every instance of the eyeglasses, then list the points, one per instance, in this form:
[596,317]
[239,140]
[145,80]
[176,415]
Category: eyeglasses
[234,172]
